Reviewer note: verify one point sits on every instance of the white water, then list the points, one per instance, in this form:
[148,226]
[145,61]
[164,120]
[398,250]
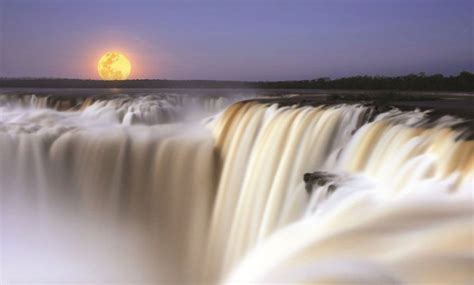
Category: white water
[143,191]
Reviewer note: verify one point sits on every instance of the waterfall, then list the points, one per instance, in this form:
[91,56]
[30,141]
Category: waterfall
[397,204]
[282,144]
[164,188]
[103,196]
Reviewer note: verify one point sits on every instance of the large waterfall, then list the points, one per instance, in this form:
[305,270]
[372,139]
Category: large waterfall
[160,189]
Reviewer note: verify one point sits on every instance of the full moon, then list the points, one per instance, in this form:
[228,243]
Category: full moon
[114,66]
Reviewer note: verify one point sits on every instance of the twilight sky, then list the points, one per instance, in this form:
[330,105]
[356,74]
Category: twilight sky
[237,40]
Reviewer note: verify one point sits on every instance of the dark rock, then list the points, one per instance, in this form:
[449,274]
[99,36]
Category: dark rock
[319,178]
[332,188]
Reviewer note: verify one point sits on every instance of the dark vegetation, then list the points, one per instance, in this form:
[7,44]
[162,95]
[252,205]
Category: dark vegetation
[419,82]
[462,82]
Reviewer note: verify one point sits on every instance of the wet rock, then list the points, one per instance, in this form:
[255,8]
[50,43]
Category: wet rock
[332,188]
[319,178]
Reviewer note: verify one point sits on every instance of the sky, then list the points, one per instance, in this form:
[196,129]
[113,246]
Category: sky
[237,39]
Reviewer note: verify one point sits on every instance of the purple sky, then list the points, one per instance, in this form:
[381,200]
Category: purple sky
[237,40]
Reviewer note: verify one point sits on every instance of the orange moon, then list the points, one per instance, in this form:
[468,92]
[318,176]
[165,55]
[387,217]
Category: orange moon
[114,66]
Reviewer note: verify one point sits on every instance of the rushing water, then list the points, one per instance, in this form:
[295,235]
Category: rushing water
[167,188]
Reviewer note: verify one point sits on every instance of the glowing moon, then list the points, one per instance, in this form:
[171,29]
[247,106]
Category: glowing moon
[114,66]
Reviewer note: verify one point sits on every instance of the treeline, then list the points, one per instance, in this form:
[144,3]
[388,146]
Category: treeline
[462,82]
[438,82]
[135,83]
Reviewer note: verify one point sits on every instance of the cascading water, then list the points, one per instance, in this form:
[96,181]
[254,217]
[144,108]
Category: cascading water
[140,190]
[395,209]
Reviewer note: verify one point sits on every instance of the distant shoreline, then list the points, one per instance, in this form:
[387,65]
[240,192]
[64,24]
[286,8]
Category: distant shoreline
[464,82]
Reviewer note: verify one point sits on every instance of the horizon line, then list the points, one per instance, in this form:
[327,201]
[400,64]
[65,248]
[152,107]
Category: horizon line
[235,80]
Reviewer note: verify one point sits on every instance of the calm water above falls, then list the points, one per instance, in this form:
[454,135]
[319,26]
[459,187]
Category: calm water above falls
[161,188]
